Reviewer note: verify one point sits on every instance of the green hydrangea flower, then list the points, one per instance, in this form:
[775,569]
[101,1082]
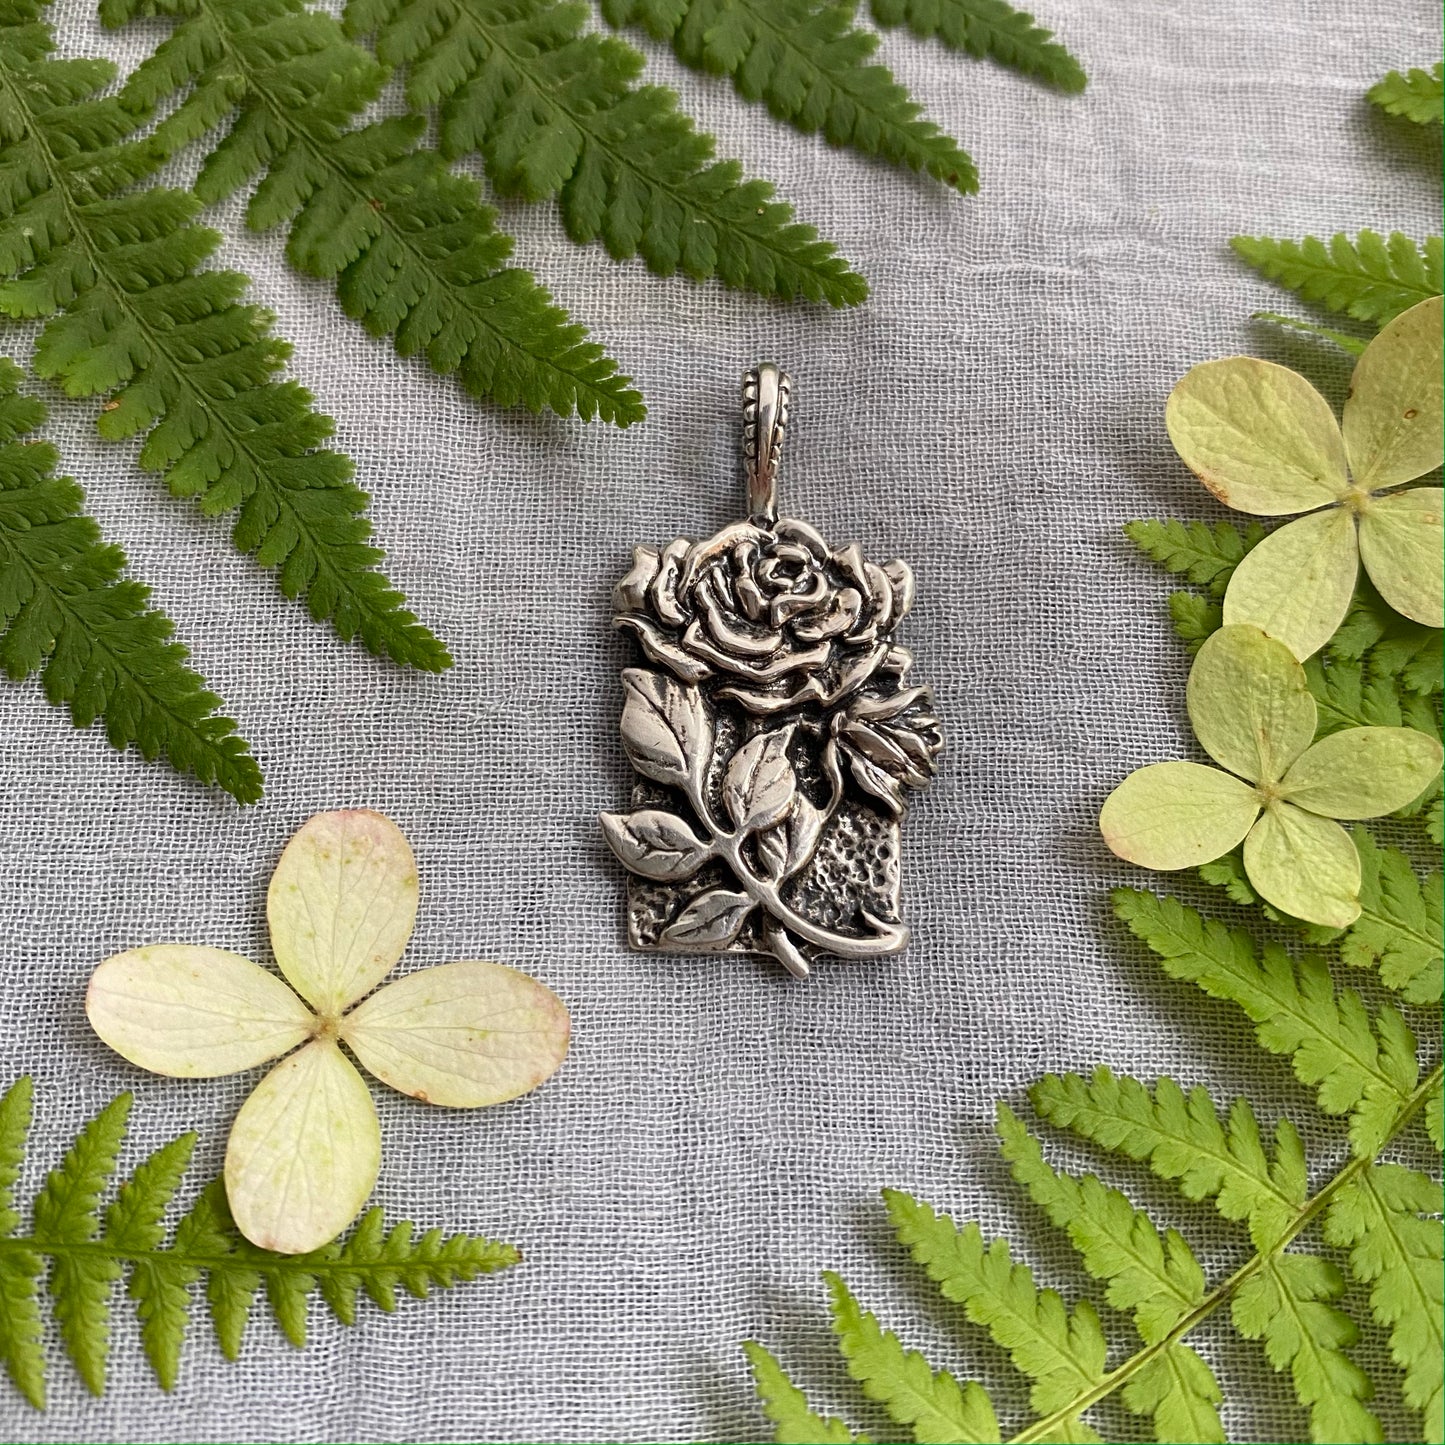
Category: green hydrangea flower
[1263,440]
[1254,715]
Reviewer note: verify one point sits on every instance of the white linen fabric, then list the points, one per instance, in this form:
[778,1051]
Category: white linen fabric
[720,1132]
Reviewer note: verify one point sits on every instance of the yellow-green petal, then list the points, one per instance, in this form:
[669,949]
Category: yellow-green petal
[1402,544]
[464,1034]
[1250,703]
[304,1152]
[341,905]
[1296,585]
[1305,865]
[1363,772]
[193,1012]
[1393,417]
[1177,815]
[1259,436]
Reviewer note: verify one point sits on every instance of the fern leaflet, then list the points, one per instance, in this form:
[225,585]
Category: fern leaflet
[555,109]
[1370,278]
[67,612]
[1391,645]
[808,63]
[1377,1218]
[127,311]
[785,1405]
[987,28]
[1418,95]
[1355,345]
[1206,555]
[412,251]
[86,1255]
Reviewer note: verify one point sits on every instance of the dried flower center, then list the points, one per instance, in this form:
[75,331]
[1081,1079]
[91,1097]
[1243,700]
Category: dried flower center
[1358,500]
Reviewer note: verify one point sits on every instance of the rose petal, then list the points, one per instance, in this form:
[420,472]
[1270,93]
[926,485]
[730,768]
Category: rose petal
[341,905]
[778,666]
[855,673]
[462,1035]
[1363,772]
[192,1012]
[1401,547]
[1394,413]
[1305,865]
[1250,704]
[1259,436]
[806,593]
[1297,584]
[630,594]
[739,640]
[900,578]
[768,702]
[304,1152]
[840,616]
[1177,815]
[880,594]
[701,555]
[660,648]
[792,530]
[665,584]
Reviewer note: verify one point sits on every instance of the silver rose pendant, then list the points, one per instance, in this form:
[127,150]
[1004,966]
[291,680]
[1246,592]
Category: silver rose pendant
[773,730]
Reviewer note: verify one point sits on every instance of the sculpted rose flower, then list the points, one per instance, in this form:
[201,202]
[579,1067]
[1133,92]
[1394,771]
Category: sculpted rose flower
[770,613]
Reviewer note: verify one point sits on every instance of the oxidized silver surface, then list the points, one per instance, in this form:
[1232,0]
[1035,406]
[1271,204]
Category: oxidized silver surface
[774,731]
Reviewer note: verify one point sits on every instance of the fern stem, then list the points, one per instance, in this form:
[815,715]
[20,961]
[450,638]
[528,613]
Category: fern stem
[604,402]
[1066,1414]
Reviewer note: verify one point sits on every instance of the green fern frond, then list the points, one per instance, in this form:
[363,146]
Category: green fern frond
[68,613]
[1206,555]
[1402,918]
[1359,1065]
[1183,1139]
[1418,95]
[413,252]
[808,63]
[1355,345]
[786,1406]
[1060,1350]
[1370,278]
[987,29]
[1388,644]
[933,1403]
[128,312]
[83,1255]
[1377,1217]
[1287,1303]
[1194,618]
[556,109]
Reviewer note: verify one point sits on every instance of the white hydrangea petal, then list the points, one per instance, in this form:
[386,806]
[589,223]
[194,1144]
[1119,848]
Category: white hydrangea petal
[194,1012]
[1363,772]
[1249,703]
[1296,585]
[341,905]
[463,1035]
[1393,416]
[304,1152]
[1177,815]
[1305,865]
[1259,436]
[1401,547]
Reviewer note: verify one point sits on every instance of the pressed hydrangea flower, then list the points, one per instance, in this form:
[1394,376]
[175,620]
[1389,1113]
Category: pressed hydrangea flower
[1254,715]
[1263,440]
[305,1149]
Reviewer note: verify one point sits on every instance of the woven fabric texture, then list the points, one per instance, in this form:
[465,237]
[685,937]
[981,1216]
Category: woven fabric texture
[720,1132]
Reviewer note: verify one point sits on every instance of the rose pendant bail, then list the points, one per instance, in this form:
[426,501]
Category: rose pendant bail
[767,395]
